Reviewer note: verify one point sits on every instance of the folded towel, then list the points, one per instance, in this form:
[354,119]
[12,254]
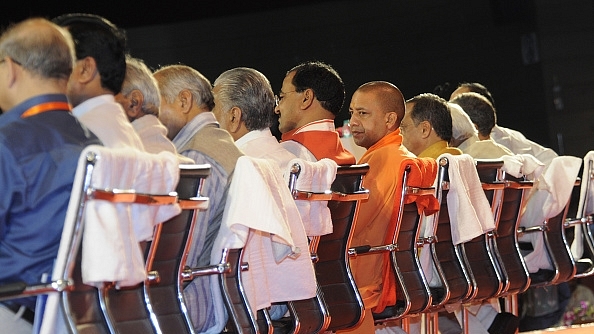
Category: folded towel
[261,216]
[468,207]
[423,172]
[547,198]
[522,165]
[112,231]
[316,177]
[105,258]
[586,203]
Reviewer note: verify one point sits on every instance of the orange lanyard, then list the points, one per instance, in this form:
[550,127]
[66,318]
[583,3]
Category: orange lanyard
[47,106]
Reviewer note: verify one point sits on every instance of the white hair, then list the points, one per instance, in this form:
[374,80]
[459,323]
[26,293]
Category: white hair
[462,126]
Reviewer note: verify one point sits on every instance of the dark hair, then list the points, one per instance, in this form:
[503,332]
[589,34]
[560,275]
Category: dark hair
[432,108]
[323,80]
[478,88]
[480,110]
[96,37]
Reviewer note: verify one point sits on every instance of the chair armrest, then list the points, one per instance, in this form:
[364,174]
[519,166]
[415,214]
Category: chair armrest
[523,230]
[21,289]
[194,203]
[367,249]
[312,196]
[348,197]
[498,185]
[189,274]
[130,196]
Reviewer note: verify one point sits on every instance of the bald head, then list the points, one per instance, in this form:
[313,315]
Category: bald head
[387,96]
[40,47]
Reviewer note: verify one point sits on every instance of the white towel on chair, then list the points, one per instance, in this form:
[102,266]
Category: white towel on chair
[258,200]
[316,177]
[112,231]
[469,209]
[585,206]
[52,322]
[522,165]
[261,216]
[547,198]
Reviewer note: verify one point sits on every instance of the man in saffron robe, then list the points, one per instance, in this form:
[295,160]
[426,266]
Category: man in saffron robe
[311,96]
[377,109]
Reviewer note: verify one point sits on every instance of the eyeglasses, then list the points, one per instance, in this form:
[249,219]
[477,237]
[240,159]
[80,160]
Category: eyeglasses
[277,99]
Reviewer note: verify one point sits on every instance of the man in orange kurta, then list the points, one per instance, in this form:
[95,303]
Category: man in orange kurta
[376,111]
[311,96]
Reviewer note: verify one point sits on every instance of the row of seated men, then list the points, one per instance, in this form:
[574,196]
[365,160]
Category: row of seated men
[69,83]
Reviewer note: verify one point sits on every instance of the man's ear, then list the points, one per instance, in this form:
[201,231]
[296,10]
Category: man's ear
[87,69]
[308,98]
[426,129]
[391,119]
[135,101]
[185,101]
[12,71]
[234,119]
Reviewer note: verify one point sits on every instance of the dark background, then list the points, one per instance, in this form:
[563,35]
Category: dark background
[529,53]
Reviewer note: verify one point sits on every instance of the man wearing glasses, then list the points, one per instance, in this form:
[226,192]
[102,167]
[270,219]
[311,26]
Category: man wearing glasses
[310,98]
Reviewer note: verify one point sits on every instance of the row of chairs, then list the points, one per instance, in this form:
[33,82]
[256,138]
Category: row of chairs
[157,305]
[485,267]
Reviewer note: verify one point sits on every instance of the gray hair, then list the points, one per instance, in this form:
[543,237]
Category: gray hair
[40,47]
[175,78]
[138,76]
[462,126]
[250,91]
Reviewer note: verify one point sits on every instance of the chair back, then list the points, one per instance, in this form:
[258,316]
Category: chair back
[584,234]
[168,252]
[333,271]
[413,295]
[544,218]
[480,254]
[241,317]
[445,256]
[515,272]
[90,308]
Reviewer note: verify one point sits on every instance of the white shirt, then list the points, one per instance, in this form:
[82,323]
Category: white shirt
[108,121]
[519,144]
[262,144]
[483,149]
[153,134]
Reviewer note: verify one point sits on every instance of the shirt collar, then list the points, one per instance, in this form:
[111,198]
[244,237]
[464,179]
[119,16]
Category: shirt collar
[91,103]
[19,109]
[255,134]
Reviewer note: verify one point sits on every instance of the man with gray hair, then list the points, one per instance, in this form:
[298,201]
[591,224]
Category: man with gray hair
[186,101]
[40,143]
[244,106]
[141,101]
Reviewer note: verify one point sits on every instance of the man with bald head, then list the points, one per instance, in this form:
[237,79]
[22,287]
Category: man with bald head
[40,142]
[376,108]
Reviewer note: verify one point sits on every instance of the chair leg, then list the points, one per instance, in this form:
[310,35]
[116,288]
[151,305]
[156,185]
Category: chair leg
[431,322]
[464,322]
[511,304]
[405,324]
